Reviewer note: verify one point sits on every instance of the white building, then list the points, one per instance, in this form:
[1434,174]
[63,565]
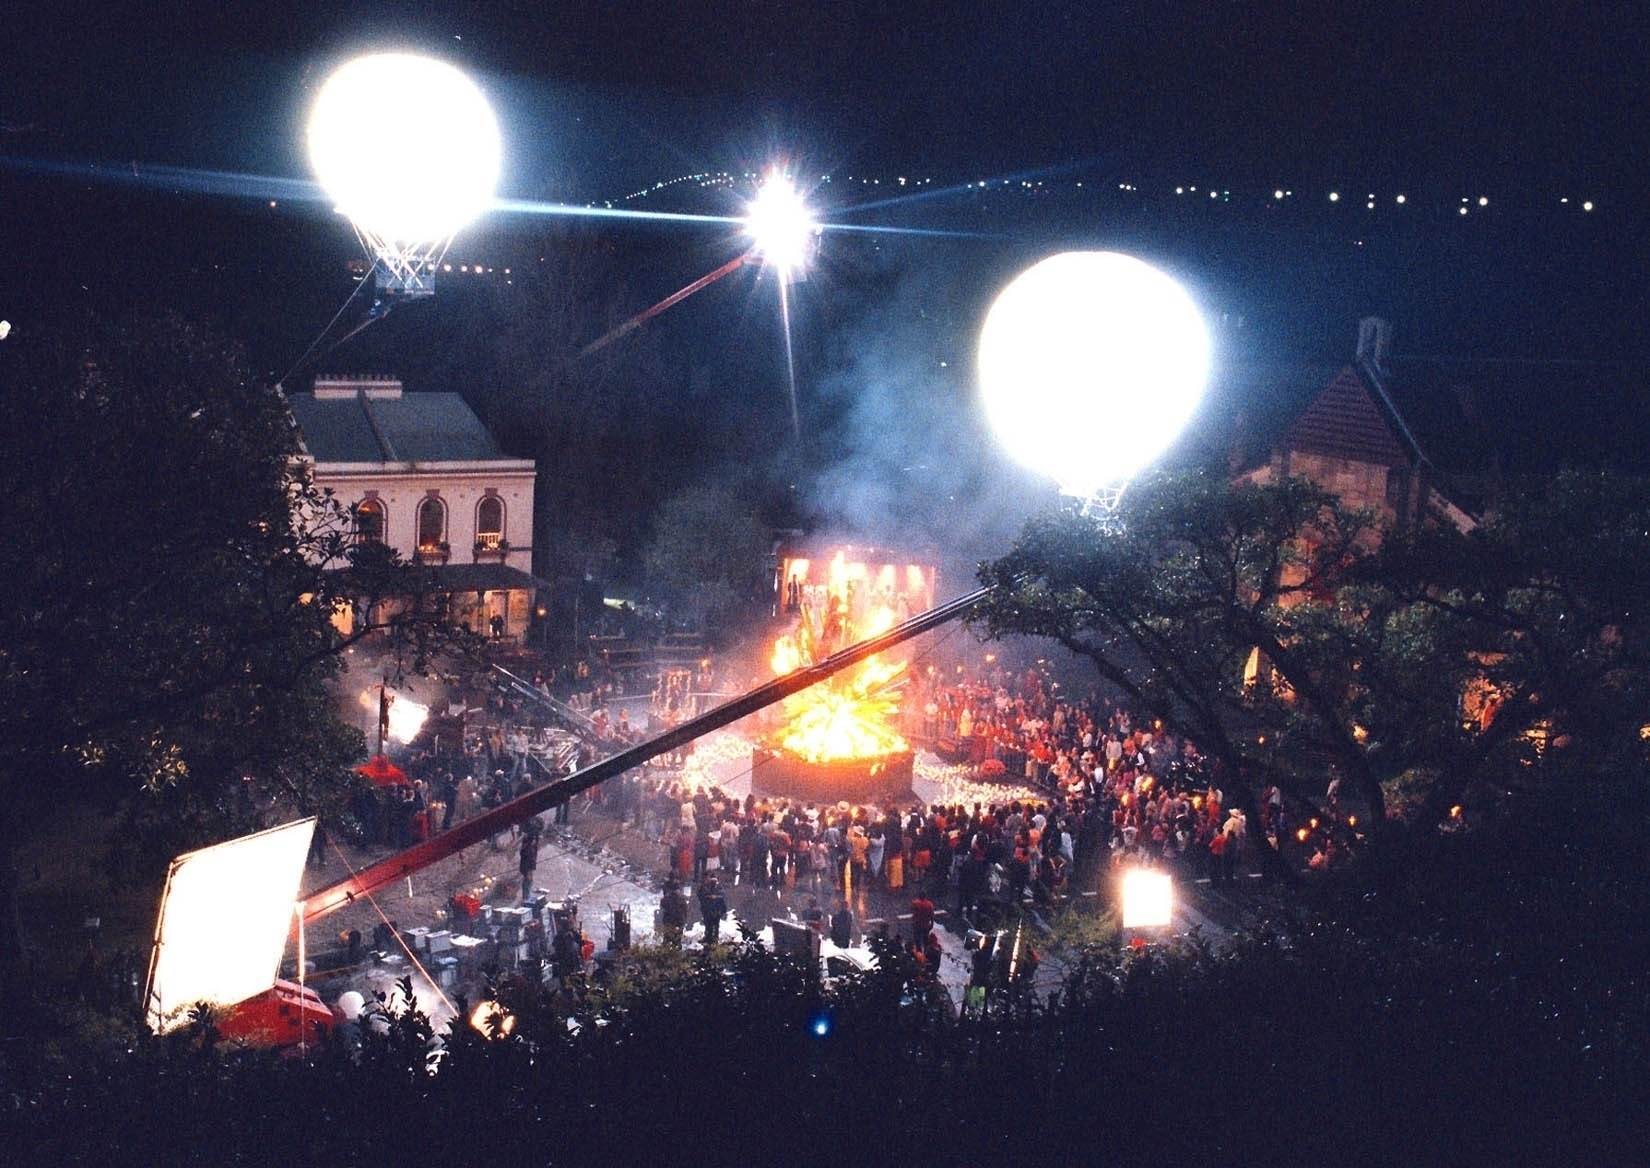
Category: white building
[424,476]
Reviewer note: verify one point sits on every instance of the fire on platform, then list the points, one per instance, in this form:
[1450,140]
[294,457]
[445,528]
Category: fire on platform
[840,739]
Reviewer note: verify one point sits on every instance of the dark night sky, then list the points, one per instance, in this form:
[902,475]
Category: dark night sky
[1346,91]
[1523,103]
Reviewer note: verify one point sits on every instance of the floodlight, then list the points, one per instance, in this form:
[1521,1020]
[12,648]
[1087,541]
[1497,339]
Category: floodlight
[1090,364]
[780,225]
[1148,899]
[406,145]
[224,920]
[492,1020]
[406,718]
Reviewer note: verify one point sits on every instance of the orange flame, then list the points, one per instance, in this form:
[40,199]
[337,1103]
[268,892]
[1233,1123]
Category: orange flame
[850,715]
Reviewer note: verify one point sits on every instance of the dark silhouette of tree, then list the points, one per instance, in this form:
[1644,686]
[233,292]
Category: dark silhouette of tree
[168,618]
[707,553]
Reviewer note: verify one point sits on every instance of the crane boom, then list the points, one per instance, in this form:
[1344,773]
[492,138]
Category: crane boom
[404,863]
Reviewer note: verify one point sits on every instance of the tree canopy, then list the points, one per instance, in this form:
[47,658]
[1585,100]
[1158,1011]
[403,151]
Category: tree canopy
[168,615]
[706,553]
[1292,637]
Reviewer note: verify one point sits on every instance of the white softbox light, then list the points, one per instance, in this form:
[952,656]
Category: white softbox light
[224,920]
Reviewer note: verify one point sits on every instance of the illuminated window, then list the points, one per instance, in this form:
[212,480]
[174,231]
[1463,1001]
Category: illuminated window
[432,524]
[490,523]
[369,521]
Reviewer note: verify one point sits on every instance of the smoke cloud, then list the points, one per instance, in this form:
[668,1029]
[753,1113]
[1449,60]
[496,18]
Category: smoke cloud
[915,464]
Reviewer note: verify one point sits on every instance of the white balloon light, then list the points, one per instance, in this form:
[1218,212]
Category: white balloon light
[1091,363]
[407,147]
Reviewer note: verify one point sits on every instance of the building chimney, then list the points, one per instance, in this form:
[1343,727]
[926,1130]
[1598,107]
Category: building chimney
[1374,342]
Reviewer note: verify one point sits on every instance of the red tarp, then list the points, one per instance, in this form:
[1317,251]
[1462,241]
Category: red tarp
[383,772]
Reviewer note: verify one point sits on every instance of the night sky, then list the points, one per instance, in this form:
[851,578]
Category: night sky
[1530,298]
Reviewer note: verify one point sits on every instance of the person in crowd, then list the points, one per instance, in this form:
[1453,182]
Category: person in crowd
[531,832]
[842,924]
[713,906]
[922,919]
[672,914]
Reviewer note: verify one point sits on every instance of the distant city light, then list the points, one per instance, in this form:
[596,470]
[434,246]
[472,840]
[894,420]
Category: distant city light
[1587,206]
[1402,199]
[1334,196]
[1277,194]
[1483,201]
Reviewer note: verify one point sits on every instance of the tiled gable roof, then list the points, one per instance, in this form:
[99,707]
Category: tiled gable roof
[1344,421]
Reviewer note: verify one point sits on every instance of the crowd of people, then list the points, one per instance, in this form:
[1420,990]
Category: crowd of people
[1088,786]
[1111,789]
[1158,797]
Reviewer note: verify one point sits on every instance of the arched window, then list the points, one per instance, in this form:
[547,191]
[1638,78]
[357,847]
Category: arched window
[490,522]
[432,524]
[369,521]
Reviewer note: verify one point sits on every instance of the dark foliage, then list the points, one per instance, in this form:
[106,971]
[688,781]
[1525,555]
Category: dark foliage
[1430,1023]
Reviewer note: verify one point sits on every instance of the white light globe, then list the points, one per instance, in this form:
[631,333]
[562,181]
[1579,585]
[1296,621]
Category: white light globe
[1090,364]
[407,146]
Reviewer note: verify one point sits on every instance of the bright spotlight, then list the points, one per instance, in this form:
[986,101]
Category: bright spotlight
[1085,344]
[1148,899]
[492,1020]
[407,146]
[780,225]
[406,718]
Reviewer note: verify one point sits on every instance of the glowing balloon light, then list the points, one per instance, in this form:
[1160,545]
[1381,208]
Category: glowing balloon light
[409,149]
[781,227]
[1091,363]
